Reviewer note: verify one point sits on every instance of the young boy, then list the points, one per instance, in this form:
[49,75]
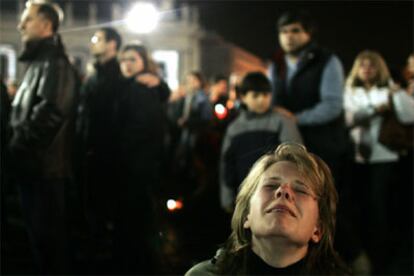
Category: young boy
[256,131]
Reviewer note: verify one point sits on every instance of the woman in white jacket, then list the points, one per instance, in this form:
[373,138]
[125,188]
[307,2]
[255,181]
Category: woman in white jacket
[367,96]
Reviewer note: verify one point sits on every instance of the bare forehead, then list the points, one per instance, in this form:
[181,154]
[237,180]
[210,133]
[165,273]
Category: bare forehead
[130,53]
[367,61]
[99,34]
[285,169]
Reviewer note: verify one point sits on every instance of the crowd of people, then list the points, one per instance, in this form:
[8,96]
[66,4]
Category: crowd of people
[277,150]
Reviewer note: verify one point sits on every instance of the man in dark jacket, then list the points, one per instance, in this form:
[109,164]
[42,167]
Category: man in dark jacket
[97,131]
[4,136]
[42,122]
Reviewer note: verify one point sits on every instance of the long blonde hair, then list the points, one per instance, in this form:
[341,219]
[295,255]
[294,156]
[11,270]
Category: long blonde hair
[320,254]
[383,76]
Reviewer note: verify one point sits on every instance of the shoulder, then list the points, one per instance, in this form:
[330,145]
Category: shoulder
[201,96]
[322,52]
[238,125]
[333,63]
[59,65]
[279,118]
[324,55]
[204,268]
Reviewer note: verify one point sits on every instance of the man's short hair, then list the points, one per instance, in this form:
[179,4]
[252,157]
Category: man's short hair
[256,82]
[112,34]
[302,17]
[49,11]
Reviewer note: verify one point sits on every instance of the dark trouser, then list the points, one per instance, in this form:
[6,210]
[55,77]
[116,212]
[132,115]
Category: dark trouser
[374,187]
[43,207]
[99,185]
[136,242]
[347,241]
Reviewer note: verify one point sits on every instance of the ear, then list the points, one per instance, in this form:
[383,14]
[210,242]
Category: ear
[47,26]
[316,235]
[246,224]
[112,44]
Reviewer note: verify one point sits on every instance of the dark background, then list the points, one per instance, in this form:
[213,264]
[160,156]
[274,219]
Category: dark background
[346,27]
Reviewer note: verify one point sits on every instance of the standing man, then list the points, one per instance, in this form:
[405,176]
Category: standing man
[308,86]
[96,129]
[42,122]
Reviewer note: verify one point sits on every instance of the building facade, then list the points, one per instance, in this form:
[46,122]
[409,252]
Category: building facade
[179,44]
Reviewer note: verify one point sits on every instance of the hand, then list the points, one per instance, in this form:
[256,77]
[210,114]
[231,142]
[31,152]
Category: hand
[177,94]
[148,79]
[382,108]
[394,88]
[181,122]
[285,112]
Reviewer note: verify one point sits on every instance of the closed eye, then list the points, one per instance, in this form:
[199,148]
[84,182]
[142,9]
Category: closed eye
[271,186]
[301,191]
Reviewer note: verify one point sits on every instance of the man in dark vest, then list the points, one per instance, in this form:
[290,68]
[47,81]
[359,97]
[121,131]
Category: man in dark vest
[308,86]
[42,122]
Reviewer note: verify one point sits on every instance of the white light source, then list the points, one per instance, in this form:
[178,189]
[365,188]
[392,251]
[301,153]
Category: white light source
[219,108]
[171,204]
[143,18]
[174,205]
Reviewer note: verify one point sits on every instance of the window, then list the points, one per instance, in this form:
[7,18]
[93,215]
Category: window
[168,64]
[7,62]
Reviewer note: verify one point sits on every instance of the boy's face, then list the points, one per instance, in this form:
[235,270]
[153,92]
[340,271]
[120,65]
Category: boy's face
[257,102]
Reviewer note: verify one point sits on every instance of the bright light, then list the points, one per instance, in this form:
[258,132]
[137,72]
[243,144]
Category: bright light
[94,39]
[171,204]
[220,111]
[143,18]
[174,205]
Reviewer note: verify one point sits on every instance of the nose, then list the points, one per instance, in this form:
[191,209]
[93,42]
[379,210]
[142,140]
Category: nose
[284,191]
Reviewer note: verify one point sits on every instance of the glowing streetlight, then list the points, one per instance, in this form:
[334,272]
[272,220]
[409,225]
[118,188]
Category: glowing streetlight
[143,18]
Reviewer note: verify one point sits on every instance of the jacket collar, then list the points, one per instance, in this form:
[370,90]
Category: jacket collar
[42,48]
[252,115]
[108,68]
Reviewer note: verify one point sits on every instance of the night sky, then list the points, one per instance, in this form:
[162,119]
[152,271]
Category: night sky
[346,27]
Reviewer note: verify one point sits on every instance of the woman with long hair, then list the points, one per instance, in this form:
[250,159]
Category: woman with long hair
[369,95]
[140,141]
[284,219]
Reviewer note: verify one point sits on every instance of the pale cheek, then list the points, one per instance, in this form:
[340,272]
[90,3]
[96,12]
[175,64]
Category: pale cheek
[124,69]
[140,67]
[313,215]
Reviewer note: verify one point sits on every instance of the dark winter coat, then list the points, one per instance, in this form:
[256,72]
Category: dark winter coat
[43,112]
